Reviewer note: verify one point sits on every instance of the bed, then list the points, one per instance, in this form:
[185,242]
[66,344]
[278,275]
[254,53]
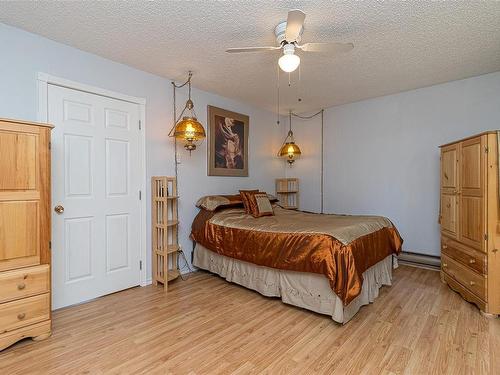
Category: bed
[330,264]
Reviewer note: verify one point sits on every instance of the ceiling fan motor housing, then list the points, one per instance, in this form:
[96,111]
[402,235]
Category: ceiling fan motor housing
[280,30]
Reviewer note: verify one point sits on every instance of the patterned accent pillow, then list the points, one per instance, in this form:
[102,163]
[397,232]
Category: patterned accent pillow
[213,202]
[260,205]
[245,196]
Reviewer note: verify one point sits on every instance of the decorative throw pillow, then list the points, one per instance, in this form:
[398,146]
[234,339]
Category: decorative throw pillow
[260,205]
[213,202]
[245,195]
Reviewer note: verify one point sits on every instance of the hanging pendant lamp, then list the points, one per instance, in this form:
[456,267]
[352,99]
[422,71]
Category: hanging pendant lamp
[290,151]
[189,129]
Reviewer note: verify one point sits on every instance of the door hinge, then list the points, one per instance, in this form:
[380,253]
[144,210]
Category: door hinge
[140,265]
[50,245]
[486,237]
[486,149]
[140,125]
[140,195]
[50,145]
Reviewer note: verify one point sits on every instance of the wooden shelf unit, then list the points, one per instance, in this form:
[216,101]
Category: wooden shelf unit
[164,223]
[287,191]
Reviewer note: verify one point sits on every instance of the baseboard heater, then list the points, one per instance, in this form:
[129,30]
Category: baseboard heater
[420,260]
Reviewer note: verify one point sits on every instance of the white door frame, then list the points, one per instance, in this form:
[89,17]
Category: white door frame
[43,114]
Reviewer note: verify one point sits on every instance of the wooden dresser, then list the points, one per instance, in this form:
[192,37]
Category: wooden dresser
[24,231]
[470,222]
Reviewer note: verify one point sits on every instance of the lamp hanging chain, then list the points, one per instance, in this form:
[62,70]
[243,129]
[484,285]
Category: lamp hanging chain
[321,112]
[176,160]
[306,117]
[176,120]
[175,86]
[322,157]
[189,85]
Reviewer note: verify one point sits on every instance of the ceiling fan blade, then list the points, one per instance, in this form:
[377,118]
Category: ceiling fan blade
[294,24]
[332,47]
[251,49]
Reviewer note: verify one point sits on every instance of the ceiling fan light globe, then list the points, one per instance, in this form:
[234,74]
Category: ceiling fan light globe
[289,62]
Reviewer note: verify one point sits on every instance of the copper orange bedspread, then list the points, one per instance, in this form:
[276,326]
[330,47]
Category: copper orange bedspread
[341,247]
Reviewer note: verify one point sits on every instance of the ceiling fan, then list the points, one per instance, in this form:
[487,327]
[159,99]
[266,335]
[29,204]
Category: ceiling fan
[288,35]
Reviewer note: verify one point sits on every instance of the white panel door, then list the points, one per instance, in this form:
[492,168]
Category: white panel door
[96,174]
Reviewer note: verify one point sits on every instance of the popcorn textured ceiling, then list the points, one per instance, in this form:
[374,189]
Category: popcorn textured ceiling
[399,45]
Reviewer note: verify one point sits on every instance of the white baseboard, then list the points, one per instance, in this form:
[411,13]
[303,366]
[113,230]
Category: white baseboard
[429,262]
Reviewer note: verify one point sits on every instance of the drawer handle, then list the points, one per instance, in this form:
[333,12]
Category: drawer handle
[21,316]
[445,265]
[21,286]
[445,246]
[472,283]
[472,261]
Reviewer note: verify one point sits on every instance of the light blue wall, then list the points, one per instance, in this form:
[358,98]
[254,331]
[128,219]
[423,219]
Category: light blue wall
[382,154]
[24,55]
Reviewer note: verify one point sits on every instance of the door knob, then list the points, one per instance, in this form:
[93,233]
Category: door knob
[59,209]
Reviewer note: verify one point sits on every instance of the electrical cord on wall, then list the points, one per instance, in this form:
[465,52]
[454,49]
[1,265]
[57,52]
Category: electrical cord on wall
[322,146]
[176,161]
[185,266]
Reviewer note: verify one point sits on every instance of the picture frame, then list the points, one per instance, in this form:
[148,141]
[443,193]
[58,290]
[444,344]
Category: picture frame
[227,143]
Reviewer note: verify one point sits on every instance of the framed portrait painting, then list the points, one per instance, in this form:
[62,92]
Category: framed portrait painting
[228,143]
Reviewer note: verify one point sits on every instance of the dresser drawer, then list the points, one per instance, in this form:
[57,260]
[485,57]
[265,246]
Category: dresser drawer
[464,292]
[471,258]
[24,282]
[24,312]
[469,279]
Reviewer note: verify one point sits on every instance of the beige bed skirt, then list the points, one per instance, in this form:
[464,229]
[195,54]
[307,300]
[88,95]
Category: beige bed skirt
[307,290]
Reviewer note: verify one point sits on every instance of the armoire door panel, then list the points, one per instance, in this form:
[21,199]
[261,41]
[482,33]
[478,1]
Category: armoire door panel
[19,233]
[18,164]
[449,214]
[449,168]
[472,228]
[472,167]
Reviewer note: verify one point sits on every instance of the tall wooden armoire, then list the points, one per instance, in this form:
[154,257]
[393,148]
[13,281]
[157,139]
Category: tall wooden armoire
[24,231]
[470,222]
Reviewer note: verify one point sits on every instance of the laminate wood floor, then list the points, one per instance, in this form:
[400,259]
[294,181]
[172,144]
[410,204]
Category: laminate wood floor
[208,326]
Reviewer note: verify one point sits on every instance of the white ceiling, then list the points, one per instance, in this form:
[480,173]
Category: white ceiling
[399,45]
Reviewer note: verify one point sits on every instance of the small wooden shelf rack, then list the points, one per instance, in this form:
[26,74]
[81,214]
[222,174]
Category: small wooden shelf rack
[287,191]
[164,225]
